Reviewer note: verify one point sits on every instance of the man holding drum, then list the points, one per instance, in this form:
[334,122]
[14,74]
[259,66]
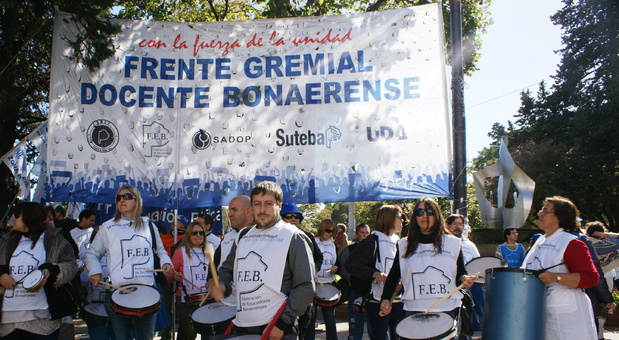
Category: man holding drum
[272,268]
[128,241]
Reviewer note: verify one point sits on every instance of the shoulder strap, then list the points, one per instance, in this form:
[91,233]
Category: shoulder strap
[376,249]
[153,238]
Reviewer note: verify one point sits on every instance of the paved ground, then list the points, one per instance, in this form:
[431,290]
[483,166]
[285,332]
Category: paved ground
[611,332]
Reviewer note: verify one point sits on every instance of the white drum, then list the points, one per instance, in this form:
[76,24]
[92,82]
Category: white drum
[212,318]
[327,295]
[480,264]
[96,309]
[439,326]
[140,300]
[32,281]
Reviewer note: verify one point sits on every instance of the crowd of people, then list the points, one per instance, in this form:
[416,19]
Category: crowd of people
[407,275]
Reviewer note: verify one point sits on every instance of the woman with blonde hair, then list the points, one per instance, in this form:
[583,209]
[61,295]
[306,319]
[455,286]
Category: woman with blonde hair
[190,261]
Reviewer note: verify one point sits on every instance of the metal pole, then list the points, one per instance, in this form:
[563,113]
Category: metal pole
[458,121]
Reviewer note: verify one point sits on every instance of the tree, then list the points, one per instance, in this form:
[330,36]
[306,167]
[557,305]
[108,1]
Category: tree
[25,42]
[566,138]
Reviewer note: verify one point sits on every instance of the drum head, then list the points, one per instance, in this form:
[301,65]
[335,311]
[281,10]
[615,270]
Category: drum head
[327,293]
[213,313]
[141,296]
[33,279]
[480,264]
[96,308]
[427,327]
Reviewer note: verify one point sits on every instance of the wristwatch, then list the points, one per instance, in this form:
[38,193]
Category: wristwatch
[558,277]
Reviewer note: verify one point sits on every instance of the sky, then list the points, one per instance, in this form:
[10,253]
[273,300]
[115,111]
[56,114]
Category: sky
[518,52]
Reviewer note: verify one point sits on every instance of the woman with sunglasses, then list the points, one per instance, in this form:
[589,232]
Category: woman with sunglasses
[128,241]
[372,260]
[430,264]
[190,261]
[325,276]
[32,245]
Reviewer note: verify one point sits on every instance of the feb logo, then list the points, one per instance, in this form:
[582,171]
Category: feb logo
[102,135]
[386,133]
[155,137]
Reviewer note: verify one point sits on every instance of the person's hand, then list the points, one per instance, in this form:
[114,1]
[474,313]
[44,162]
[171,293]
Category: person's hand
[95,279]
[379,277]
[548,277]
[610,306]
[333,269]
[217,294]
[177,276]
[7,281]
[385,308]
[167,269]
[276,333]
[468,280]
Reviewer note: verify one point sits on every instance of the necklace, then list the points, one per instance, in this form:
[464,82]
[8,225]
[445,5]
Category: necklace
[199,259]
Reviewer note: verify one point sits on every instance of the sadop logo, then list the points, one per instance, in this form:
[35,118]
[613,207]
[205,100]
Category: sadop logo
[202,140]
[102,135]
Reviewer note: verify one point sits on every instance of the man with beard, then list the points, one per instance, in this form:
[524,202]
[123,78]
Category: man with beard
[271,267]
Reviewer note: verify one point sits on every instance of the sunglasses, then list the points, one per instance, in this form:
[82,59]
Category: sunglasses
[194,233]
[401,217]
[330,231]
[293,215]
[126,196]
[421,211]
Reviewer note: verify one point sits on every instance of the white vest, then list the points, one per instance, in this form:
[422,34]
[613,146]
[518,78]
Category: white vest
[387,249]
[428,276]
[569,314]
[469,251]
[81,238]
[329,255]
[130,253]
[258,271]
[195,268]
[24,261]
[213,240]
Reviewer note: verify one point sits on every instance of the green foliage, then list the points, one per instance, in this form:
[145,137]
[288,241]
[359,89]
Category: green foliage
[565,138]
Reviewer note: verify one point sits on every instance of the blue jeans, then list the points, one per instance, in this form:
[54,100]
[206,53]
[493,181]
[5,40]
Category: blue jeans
[99,327]
[382,327]
[356,321]
[131,327]
[328,314]
[20,334]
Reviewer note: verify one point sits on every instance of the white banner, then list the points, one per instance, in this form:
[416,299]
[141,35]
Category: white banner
[16,159]
[338,108]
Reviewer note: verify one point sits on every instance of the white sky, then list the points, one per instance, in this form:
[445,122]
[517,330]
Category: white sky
[517,53]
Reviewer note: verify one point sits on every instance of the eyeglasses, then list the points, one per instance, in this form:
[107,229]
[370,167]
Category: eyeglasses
[330,231]
[401,217]
[421,211]
[194,233]
[126,196]
[293,215]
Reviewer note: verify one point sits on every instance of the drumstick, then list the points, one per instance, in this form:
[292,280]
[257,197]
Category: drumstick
[444,298]
[397,290]
[209,252]
[186,279]
[126,291]
[163,271]
[93,305]
[154,270]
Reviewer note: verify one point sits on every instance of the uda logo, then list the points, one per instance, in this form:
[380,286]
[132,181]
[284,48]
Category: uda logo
[386,133]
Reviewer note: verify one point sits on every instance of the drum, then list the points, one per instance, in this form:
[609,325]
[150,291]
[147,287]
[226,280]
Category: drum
[213,318]
[359,305]
[515,305]
[327,295]
[96,309]
[141,300]
[196,299]
[32,281]
[480,264]
[439,326]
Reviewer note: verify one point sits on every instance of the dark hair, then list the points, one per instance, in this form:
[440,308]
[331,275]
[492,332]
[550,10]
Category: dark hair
[507,231]
[265,187]
[438,229]
[208,219]
[594,226]
[342,226]
[451,218]
[60,209]
[86,213]
[361,225]
[385,217]
[565,211]
[34,217]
